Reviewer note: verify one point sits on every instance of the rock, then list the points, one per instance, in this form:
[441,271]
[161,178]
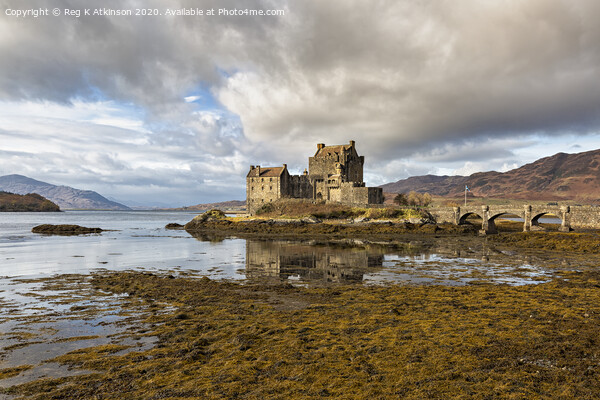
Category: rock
[282,221]
[173,225]
[381,222]
[537,228]
[310,220]
[211,215]
[49,229]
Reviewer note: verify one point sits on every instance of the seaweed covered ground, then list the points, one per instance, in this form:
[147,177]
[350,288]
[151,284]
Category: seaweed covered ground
[572,242]
[295,229]
[220,340]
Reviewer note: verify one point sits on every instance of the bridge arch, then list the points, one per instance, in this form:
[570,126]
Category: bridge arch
[463,219]
[537,217]
[535,220]
[505,213]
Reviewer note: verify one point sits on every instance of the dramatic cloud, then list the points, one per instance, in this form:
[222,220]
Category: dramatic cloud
[177,107]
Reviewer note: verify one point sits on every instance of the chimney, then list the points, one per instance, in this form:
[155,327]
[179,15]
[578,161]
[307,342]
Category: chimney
[320,146]
[251,167]
[258,166]
[284,166]
[352,143]
[305,172]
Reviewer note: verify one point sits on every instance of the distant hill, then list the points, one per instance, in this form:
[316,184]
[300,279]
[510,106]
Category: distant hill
[559,177]
[224,205]
[25,202]
[66,197]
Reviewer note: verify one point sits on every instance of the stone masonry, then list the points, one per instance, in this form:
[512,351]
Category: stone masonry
[578,217]
[335,174]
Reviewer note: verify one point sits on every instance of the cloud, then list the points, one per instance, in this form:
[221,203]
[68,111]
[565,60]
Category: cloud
[423,87]
[74,148]
[412,74]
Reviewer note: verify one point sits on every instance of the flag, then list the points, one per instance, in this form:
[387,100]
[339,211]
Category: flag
[467,189]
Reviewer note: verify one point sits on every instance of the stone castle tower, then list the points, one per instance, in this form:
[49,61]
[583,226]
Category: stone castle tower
[335,174]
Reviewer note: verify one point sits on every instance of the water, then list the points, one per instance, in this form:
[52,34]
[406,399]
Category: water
[138,240]
[39,322]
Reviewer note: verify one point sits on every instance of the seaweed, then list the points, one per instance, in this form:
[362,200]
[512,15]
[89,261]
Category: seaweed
[226,340]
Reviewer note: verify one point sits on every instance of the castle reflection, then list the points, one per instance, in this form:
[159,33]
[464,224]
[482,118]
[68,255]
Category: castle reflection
[447,261]
[329,263]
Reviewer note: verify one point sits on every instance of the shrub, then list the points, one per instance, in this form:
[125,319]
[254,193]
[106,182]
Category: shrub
[265,209]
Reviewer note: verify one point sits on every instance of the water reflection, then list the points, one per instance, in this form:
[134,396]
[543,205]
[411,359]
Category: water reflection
[312,262]
[429,262]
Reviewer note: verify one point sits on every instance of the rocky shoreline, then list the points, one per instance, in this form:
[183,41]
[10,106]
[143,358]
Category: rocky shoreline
[215,222]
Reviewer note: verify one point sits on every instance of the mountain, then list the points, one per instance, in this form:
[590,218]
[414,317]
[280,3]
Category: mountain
[559,177]
[224,206]
[66,197]
[137,205]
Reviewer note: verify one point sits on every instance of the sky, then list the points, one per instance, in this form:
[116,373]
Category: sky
[173,109]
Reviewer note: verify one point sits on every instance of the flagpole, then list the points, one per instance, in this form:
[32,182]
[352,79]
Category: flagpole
[466,195]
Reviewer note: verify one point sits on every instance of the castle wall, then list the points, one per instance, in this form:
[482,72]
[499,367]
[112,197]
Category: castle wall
[260,191]
[335,174]
[321,191]
[354,168]
[298,187]
[353,193]
[322,167]
[375,195]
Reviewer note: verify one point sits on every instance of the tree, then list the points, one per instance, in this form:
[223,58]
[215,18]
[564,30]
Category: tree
[426,199]
[414,198]
[401,199]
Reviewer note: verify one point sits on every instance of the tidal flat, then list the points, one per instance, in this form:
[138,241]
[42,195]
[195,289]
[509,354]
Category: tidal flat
[190,338]
[413,313]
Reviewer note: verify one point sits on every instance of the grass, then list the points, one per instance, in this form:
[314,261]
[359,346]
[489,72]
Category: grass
[225,341]
[297,208]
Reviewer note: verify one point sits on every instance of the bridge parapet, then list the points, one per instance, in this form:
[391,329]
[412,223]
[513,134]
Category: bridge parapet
[570,216]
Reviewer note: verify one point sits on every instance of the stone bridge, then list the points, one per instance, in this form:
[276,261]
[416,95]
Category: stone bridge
[586,217]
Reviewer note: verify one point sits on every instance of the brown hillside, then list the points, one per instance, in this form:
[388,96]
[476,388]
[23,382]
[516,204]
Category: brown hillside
[224,205]
[559,177]
[28,202]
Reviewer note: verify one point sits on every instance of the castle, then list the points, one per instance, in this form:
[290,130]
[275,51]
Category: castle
[335,173]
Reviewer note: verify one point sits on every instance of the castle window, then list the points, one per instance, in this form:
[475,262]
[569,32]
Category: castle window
[270,179]
[270,187]
[262,188]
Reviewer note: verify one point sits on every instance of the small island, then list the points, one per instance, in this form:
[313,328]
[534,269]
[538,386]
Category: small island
[49,229]
[32,202]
